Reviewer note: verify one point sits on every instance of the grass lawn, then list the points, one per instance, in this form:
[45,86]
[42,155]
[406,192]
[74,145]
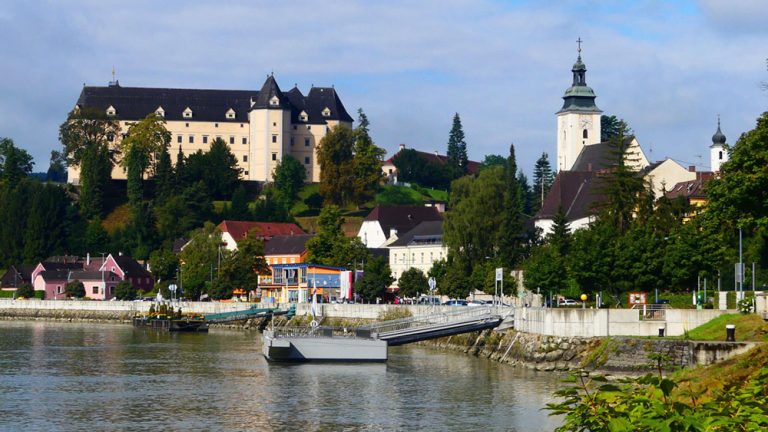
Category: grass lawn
[749,327]
[117,218]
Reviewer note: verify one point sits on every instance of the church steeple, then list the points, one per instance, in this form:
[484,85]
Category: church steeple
[718,153]
[578,121]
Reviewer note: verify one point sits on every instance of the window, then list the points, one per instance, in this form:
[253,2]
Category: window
[111,111]
[274,156]
[274,138]
[245,172]
[719,155]
[422,257]
[291,141]
[186,124]
[245,140]
[306,142]
[160,112]
[215,125]
[95,290]
[326,112]
[58,289]
[205,139]
[245,158]
[230,113]
[191,139]
[187,113]
[241,125]
[585,134]
[231,140]
[178,139]
[306,160]
[294,127]
[303,116]
[274,101]
[274,123]
[309,127]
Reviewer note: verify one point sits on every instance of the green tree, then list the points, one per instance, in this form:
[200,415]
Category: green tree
[330,246]
[493,160]
[611,126]
[181,213]
[144,140]
[57,170]
[165,183]
[510,236]
[366,163]
[75,289]
[222,172]
[413,167]
[87,135]
[25,290]
[269,208]
[125,291]
[239,209]
[164,264]
[199,260]
[543,177]
[412,283]
[15,163]
[289,176]
[242,268]
[457,150]
[376,278]
[44,233]
[335,155]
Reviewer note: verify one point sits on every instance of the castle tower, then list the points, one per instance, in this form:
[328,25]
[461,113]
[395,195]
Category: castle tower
[578,121]
[270,130]
[718,154]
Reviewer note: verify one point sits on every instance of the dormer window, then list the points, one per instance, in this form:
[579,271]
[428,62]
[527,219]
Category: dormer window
[111,111]
[230,113]
[303,116]
[326,112]
[187,113]
[274,101]
[160,112]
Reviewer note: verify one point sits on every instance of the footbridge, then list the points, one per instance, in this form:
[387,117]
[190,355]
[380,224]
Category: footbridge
[437,325]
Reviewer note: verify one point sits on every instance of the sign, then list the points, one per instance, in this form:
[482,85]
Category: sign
[638,298]
[432,283]
[499,274]
[172,287]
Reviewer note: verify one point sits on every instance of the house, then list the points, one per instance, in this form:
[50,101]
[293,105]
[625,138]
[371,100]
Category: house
[383,223]
[578,193]
[664,174]
[390,170]
[418,248]
[693,192]
[286,249]
[127,268]
[293,283]
[15,276]
[55,266]
[260,126]
[233,231]
[52,282]
[99,285]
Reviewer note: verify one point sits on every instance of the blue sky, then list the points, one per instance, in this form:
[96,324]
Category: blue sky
[668,68]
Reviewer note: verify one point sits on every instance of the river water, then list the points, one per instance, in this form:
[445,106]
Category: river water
[93,377]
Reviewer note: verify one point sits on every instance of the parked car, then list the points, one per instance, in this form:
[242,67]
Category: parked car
[426,300]
[477,303]
[567,302]
[455,302]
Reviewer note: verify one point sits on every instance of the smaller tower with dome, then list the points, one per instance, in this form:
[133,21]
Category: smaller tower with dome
[718,153]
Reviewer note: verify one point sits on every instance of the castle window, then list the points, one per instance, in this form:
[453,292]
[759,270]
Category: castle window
[274,156]
[245,140]
[186,124]
[241,125]
[178,139]
[306,142]
[274,123]
[291,141]
[585,134]
[205,139]
[294,127]
[245,158]
[274,138]
[306,160]
[187,113]
[111,111]
[303,116]
[274,101]
[215,125]
[326,112]
[160,112]
[230,113]
[245,172]
[231,140]
[309,127]
[191,139]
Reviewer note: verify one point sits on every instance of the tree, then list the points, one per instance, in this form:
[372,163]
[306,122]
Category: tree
[492,160]
[25,290]
[510,230]
[242,268]
[165,183]
[543,177]
[15,163]
[44,232]
[239,209]
[335,155]
[199,259]
[269,208]
[366,163]
[87,135]
[413,167]
[330,246]
[376,278]
[457,150]
[75,289]
[125,291]
[181,213]
[412,283]
[610,126]
[57,170]
[164,264]
[144,140]
[222,172]
[289,176]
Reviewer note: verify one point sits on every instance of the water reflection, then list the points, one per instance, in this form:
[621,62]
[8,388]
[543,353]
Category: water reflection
[57,376]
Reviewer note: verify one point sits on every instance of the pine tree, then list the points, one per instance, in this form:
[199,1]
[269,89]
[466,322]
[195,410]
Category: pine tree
[543,177]
[180,171]
[624,187]
[457,150]
[239,209]
[511,230]
[366,163]
[164,182]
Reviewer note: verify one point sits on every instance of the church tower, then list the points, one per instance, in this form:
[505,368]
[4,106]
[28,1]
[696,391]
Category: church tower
[578,121]
[718,154]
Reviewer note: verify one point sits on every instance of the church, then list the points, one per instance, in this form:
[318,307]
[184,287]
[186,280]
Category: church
[260,127]
[583,160]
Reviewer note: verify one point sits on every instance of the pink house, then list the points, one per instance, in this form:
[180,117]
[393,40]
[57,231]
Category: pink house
[127,268]
[53,282]
[98,285]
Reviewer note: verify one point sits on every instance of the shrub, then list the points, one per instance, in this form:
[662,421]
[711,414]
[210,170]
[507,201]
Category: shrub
[125,291]
[25,290]
[75,289]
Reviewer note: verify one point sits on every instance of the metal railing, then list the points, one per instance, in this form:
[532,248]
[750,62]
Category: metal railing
[320,332]
[462,314]
[651,312]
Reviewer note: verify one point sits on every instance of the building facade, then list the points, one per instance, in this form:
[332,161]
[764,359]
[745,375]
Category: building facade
[260,127]
[419,248]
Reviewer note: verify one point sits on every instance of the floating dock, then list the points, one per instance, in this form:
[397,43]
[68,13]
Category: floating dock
[300,344]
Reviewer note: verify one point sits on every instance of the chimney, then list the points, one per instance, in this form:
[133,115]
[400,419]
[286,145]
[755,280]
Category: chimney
[392,232]
[402,147]
[692,168]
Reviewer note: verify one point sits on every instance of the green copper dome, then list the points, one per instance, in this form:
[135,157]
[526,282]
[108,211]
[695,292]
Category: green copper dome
[579,96]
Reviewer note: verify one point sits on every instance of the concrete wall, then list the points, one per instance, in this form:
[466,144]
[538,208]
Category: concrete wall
[608,322]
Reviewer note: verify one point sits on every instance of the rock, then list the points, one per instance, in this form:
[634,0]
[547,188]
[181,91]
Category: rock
[554,355]
[569,354]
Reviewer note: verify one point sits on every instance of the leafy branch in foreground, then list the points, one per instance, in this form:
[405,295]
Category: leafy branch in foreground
[655,403]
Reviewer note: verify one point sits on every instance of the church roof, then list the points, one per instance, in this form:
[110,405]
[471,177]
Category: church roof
[596,157]
[579,96]
[134,103]
[718,139]
[578,192]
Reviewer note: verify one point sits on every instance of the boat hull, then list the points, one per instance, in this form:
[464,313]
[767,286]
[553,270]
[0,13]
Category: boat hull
[323,349]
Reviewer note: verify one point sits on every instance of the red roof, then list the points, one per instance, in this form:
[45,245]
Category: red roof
[265,230]
[472,166]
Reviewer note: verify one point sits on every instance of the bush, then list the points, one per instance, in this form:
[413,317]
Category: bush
[75,289]
[746,305]
[125,291]
[25,290]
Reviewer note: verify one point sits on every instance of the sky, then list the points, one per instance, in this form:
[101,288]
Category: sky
[667,68]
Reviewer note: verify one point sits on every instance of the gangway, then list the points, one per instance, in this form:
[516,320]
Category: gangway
[369,343]
[252,312]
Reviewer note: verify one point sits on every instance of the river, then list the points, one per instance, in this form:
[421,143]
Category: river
[93,377]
